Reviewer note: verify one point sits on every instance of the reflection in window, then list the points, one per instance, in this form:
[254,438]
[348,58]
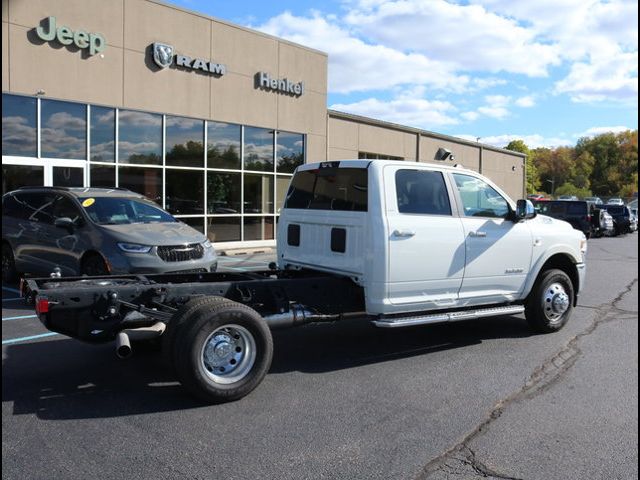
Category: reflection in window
[18,126]
[103,134]
[282,185]
[258,193]
[184,139]
[146,181]
[223,229]
[184,192]
[68,177]
[63,130]
[194,222]
[258,228]
[102,176]
[139,138]
[223,145]
[479,199]
[258,149]
[223,193]
[290,151]
[16,176]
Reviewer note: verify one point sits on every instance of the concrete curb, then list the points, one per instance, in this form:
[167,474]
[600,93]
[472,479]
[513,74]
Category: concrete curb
[234,252]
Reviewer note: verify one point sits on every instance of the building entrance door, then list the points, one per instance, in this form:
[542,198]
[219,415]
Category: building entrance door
[28,172]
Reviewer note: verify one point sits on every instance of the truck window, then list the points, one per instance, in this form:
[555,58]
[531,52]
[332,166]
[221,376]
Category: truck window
[421,191]
[331,188]
[479,199]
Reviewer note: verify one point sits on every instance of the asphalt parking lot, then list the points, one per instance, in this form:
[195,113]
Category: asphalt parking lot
[477,399]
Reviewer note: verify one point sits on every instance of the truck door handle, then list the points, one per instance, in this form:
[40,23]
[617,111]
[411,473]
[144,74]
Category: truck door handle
[477,234]
[403,233]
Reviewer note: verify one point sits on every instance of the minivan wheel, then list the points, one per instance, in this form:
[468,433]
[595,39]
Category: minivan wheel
[9,273]
[94,266]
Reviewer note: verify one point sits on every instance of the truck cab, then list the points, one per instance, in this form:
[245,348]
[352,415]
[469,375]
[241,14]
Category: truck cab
[420,237]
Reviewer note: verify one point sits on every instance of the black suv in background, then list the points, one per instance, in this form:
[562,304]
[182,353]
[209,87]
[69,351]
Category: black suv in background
[621,218]
[576,212]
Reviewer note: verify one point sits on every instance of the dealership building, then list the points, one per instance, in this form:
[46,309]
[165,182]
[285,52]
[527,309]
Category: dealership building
[207,118]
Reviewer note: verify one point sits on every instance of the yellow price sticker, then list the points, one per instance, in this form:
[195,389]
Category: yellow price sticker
[88,202]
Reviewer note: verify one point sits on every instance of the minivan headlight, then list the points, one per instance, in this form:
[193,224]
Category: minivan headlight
[134,248]
[207,244]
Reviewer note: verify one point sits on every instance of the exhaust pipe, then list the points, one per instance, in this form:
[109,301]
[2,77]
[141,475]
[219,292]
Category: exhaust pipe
[298,315]
[123,340]
[123,346]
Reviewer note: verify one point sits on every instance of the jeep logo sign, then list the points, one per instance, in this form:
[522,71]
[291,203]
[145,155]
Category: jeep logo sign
[95,42]
[164,56]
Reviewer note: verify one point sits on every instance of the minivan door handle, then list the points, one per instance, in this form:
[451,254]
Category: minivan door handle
[477,234]
[403,233]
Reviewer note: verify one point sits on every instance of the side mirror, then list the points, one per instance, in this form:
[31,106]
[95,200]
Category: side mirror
[64,222]
[525,210]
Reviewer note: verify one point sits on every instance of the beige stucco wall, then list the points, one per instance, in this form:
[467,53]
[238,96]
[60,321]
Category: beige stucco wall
[125,76]
[505,170]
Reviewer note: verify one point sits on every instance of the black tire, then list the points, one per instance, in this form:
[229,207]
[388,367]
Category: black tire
[235,365]
[177,322]
[550,303]
[93,265]
[9,273]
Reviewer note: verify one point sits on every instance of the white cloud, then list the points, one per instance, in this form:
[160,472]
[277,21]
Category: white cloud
[593,131]
[494,112]
[415,112]
[469,36]
[470,116]
[525,102]
[531,140]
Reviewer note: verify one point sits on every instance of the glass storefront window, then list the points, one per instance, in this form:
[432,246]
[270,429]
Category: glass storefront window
[258,193]
[258,149]
[16,176]
[19,126]
[223,145]
[184,139]
[102,176]
[103,134]
[223,229]
[194,222]
[68,176]
[139,137]
[258,228]
[282,185]
[290,151]
[184,192]
[146,181]
[223,193]
[63,130]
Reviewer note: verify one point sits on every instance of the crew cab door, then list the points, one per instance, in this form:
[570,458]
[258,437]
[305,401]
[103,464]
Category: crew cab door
[425,239]
[498,250]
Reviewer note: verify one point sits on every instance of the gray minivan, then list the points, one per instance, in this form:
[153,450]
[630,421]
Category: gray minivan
[96,231]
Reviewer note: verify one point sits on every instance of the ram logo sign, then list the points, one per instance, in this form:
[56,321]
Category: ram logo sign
[164,56]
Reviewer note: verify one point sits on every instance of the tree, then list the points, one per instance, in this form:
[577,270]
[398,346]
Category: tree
[532,176]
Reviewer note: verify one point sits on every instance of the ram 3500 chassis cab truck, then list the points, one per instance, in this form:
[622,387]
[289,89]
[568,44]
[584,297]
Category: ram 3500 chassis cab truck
[396,243]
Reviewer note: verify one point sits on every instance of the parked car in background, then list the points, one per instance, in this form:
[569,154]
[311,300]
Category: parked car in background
[615,201]
[607,227]
[633,206]
[535,197]
[575,212]
[96,231]
[594,200]
[621,218]
[568,197]
[633,220]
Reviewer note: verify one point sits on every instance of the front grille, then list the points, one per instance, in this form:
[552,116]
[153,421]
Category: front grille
[181,253]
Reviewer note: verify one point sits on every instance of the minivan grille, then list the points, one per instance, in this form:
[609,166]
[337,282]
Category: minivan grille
[180,253]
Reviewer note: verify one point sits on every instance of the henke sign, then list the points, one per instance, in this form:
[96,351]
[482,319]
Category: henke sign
[94,42]
[282,85]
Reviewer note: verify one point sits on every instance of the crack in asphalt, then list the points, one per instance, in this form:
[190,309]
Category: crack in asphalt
[460,458]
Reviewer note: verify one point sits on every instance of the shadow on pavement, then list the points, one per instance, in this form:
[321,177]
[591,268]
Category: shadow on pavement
[66,379]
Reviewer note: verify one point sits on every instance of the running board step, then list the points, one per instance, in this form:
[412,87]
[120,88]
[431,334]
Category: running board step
[448,316]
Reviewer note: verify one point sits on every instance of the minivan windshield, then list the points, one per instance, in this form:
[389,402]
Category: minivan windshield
[123,210]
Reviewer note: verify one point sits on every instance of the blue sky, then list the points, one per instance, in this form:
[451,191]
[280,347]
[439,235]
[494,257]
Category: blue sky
[545,71]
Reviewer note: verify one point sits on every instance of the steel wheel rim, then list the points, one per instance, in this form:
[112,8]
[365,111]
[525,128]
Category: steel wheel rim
[555,302]
[228,354]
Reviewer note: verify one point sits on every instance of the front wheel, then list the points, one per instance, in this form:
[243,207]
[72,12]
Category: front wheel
[223,351]
[550,302]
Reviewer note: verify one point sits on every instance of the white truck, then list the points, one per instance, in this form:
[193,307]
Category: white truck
[396,243]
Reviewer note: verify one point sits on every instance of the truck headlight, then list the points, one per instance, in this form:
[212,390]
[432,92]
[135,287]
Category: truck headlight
[583,246]
[134,248]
